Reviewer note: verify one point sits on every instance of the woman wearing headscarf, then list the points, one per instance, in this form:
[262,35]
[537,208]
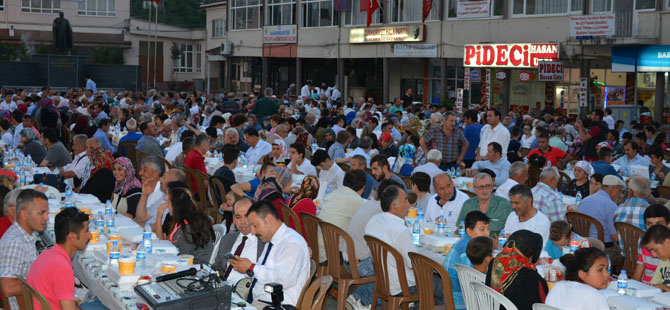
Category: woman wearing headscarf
[253,123]
[303,138]
[101,182]
[127,190]
[303,200]
[404,164]
[279,153]
[80,125]
[512,272]
[328,138]
[583,172]
[274,186]
[31,145]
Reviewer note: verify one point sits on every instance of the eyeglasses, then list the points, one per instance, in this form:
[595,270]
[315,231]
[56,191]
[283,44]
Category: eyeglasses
[487,186]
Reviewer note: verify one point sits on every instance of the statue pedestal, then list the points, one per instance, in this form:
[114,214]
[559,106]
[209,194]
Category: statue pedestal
[62,70]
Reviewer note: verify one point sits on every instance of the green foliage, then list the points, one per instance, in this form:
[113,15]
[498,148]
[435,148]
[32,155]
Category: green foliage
[181,13]
[107,56]
[10,52]
[175,51]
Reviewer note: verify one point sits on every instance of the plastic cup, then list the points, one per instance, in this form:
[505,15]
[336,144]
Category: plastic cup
[412,212]
[126,265]
[187,257]
[114,237]
[95,236]
[427,230]
[109,246]
[168,267]
[86,211]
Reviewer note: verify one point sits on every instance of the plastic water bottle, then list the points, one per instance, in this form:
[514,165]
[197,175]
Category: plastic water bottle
[458,172]
[416,233]
[114,253]
[141,255]
[100,222]
[146,238]
[441,226]
[548,163]
[110,222]
[69,203]
[502,239]
[451,172]
[653,176]
[568,167]
[108,207]
[461,229]
[574,245]
[525,160]
[560,195]
[622,283]
[420,213]
[68,190]
[244,161]
[578,198]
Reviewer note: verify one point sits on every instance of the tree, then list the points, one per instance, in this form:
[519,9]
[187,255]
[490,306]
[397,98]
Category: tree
[182,13]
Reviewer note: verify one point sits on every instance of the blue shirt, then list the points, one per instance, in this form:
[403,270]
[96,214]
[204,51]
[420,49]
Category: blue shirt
[500,168]
[624,164]
[91,85]
[601,207]
[102,115]
[604,168]
[471,133]
[130,137]
[254,185]
[102,136]
[457,255]
[369,183]
[554,251]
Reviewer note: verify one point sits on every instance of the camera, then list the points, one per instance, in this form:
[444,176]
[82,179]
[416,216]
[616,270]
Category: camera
[276,292]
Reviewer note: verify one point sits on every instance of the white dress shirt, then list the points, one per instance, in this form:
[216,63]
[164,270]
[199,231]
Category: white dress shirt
[154,200]
[78,164]
[359,151]
[174,151]
[254,154]
[503,189]
[287,264]
[392,230]
[539,223]
[17,135]
[498,134]
[356,229]
[527,141]
[305,93]
[250,251]
[306,168]
[432,170]
[333,177]
[449,210]
[338,208]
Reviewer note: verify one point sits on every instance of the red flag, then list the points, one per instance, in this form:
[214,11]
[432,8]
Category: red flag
[370,6]
[427,6]
[157,1]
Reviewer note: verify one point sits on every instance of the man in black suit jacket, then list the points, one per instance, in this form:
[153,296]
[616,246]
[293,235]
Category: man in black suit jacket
[231,242]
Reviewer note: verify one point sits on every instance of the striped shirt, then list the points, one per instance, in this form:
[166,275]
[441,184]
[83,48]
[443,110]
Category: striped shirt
[548,202]
[449,145]
[650,263]
[18,252]
[632,212]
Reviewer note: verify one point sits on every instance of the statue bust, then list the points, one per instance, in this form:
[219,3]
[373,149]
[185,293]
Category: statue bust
[62,32]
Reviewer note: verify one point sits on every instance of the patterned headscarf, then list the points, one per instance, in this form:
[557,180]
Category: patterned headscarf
[101,159]
[407,152]
[284,151]
[521,251]
[303,138]
[309,189]
[130,182]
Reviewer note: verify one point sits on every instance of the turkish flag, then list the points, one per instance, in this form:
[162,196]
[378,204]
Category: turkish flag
[370,6]
[157,1]
[427,6]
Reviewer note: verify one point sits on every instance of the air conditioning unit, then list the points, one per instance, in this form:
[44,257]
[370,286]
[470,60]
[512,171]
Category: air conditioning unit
[226,48]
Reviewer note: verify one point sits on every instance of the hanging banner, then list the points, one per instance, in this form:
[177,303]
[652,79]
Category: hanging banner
[466,79]
[592,25]
[583,92]
[459,101]
[486,89]
[474,9]
[415,50]
[550,71]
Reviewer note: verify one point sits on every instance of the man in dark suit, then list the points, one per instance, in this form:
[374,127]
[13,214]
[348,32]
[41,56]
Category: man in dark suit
[240,243]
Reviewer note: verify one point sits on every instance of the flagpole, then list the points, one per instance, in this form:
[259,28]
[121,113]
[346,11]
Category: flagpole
[149,44]
[156,42]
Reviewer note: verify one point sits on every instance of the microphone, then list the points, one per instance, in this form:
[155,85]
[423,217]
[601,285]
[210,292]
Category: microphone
[188,272]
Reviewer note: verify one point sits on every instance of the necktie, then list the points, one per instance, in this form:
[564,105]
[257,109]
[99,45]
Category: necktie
[238,251]
[250,298]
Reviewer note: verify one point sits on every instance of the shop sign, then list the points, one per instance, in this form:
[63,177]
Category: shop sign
[550,71]
[474,9]
[280,34]
[475,76]
[592,25]
[486,87]
[466,79]
[647,58]
[459,100]
[400,33]
[500,75]
[583,92]
[415,50]
[520,55]
[524,76]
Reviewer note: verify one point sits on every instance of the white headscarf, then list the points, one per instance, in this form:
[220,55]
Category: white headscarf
[586,166]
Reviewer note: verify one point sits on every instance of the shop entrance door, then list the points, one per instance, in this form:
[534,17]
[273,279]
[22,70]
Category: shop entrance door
[415,84]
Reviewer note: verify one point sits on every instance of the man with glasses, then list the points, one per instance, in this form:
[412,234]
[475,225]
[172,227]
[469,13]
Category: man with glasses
[496,208]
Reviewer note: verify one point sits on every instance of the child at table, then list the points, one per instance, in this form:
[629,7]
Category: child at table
[476,225]
[480,253]
[560,235]
[657,241]
[585,274]
[646,264]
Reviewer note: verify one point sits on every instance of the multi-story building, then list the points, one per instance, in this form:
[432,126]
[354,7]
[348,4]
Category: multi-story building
[279,42]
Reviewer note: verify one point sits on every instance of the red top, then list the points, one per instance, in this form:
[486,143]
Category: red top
[554,154]
[195,161]
[4,225]
[304,205]
[51,274]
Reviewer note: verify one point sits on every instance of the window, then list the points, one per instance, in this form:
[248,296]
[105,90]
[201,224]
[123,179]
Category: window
[245,14]
[2,5]
[357,18]
[601,6]
[496,8]
[645,4]
[539,7]
[40,6]
[279,12]
[190,55]
[319,13]
[97,7]
[412,10]
[218,28]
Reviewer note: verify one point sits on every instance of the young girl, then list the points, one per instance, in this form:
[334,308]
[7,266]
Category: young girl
[585,274]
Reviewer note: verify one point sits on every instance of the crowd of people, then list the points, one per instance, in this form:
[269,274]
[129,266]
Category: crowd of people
[365,164]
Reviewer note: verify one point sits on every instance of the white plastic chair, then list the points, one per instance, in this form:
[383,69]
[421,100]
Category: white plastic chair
[467,275]
[539,306]
[488,298]
[219,232]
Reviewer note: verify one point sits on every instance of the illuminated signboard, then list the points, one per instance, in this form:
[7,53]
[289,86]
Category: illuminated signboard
[401,33]
[519,55]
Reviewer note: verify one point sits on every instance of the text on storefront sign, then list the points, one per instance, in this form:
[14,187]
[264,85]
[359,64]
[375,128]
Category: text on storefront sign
[522,55]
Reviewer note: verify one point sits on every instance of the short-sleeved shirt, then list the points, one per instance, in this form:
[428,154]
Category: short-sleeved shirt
[457,255]
[195,161]
[500,168]
[393,178]
[650,264]
[58,155]
[632,212]
[498,211]
[601,207]
[17,253]
[553,155]
[471,133]
[449,145]
[662,274]
[51,274]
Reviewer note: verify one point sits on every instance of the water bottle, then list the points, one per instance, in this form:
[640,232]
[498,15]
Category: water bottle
[458,172]
[622,283]
[141,255]
[420,213]
[108,207]
[653,176]
[416,233]
[110,222]
[451,172]
[100,222]
[461,229]
[548,163]
[574,245]
[68,190]
[441,226]
[146,238]
[244,161]
[578,199]
[56,171]
[114,253]
[560,197]
[525,160]
[24,181]
[568,167]
[502,239]
[68,200]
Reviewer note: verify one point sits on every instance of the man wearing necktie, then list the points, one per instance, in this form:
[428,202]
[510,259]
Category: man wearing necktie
[285,259]
[241,243]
